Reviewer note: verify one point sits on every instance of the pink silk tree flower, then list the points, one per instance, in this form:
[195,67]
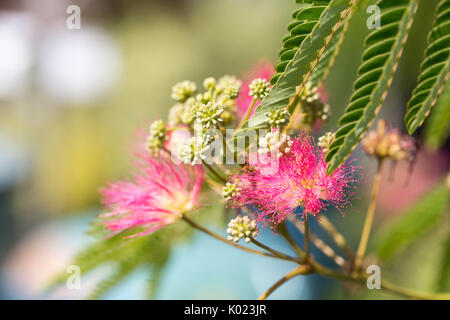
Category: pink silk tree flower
[278,185]
[264,70]
[160,193]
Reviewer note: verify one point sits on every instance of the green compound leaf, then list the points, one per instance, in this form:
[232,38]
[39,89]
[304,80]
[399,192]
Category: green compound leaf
[437,127]
[383,48]
[421,218]
[434,70]
[326,61]
[309,37]
[123,256]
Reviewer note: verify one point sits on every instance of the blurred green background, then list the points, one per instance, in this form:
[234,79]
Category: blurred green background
[72,100]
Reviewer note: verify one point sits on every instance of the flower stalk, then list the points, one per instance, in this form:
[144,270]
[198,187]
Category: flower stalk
[369,218]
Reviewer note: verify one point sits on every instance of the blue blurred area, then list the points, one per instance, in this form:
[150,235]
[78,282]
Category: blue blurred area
[200,269]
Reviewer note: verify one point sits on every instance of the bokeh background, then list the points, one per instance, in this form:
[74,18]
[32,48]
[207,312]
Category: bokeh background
[71,101]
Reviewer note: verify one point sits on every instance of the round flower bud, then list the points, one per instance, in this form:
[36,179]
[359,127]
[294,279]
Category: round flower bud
[209,115]
[209,83]
[259,88]
[277,117]
[230,190]
[227,82]
[242,227]
[232,92]
[183,90]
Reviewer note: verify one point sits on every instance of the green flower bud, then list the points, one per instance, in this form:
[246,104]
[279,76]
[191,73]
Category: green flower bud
[230,190]
[259,88]
[183,90]
[242,228]
[277,118]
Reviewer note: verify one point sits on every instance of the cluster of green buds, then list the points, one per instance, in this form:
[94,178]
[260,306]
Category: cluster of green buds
[208,115]
[230,190]
[312,108]
[325,141]
[156,137]
[277,118]
[259,88]
[203,112]
[242,227]
[276,143]
[389,143]
[216,105]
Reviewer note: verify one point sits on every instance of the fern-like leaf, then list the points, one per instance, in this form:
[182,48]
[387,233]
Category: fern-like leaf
[302,49]
[383,48]
[306,18]
[124,255]
[434,70]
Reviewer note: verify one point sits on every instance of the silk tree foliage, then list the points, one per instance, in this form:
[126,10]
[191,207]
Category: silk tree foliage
[310,48]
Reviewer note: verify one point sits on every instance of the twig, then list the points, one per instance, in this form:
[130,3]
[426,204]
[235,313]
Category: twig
[319,244]
[306,236]
[338,238]
[247,115]
[220,238]
[304,269]
[286,235]
[274,252]
[369,218]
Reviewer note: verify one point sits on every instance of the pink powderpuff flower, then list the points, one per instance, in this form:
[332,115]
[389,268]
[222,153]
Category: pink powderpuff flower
[300,179]
[158,195]
[265,70]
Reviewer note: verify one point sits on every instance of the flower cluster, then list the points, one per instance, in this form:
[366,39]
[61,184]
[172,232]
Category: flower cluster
[281,174]
[300,180]
[389,143]
[212,107]
[242,227]
[202,113]
[159,195]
